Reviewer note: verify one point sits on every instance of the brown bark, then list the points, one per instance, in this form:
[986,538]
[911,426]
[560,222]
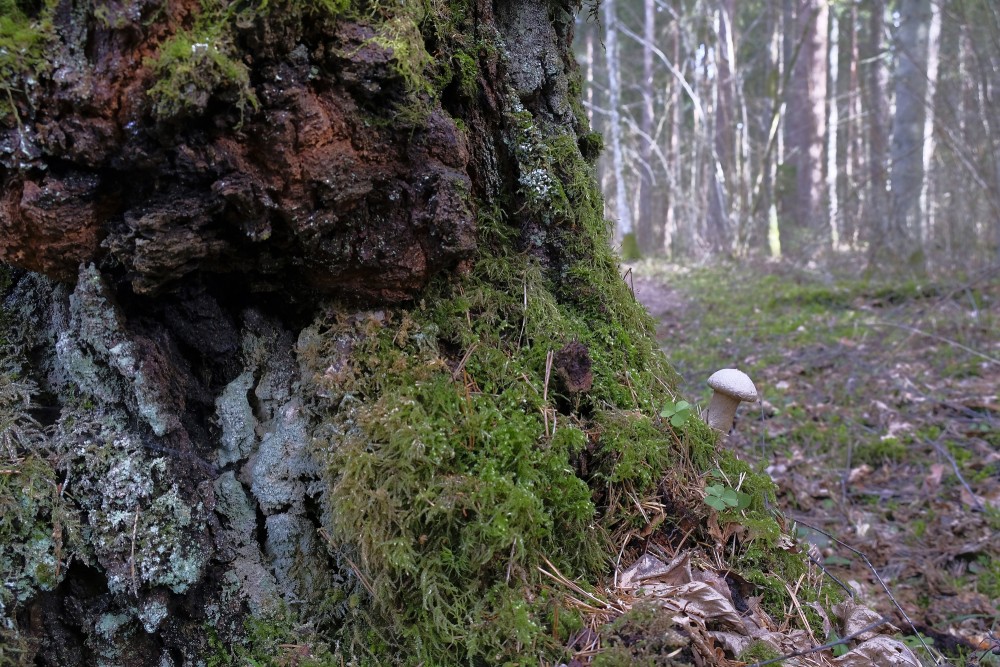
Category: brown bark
[805,128]
[292,198]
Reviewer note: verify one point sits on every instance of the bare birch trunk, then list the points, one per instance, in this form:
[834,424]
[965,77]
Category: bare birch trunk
[649,225]
[623,215]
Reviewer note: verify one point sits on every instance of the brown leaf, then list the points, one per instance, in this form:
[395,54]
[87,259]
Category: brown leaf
[932,481]
[855,616]
[649,567]
[879,651]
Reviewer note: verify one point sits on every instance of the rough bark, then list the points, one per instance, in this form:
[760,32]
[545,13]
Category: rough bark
[247,241]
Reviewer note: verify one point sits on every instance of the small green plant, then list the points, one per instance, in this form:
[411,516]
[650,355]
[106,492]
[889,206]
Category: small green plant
[720,497]
[759,651]
[678,413]
[913,641]
[838,649]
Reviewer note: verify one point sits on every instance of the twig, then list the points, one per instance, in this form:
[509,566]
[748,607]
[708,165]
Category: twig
[921,332]
[558,576]
[549,356]
[877,578]
[631,284]
[824,647]
[461,364]
[827,572]
[361,577]
[524,317]
[945,453]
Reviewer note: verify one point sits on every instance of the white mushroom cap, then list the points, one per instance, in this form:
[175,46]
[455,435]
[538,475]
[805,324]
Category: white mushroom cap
[732,382]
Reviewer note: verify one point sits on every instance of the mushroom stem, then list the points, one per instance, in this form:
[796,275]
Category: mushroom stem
[722,411]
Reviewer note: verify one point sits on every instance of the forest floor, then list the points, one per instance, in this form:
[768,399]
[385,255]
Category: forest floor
[879,422]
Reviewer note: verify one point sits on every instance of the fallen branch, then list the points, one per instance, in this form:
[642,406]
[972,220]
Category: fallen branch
[945,453]
[824,647]
[880,581]
[928,334]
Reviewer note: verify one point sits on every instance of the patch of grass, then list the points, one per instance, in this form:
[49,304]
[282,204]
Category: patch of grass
[759,651]
[878,452]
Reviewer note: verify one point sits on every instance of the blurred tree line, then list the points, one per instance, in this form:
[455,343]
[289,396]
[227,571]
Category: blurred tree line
[809,128]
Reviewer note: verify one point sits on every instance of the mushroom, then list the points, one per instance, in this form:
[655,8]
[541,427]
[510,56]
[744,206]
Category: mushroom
[731,387]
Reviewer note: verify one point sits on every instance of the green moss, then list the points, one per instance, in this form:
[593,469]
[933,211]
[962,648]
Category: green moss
[759,651]
[23,40]
[591,146]
[877,452]
[273,642]
[468,74]
[39,530]
[194,67]
[455,462]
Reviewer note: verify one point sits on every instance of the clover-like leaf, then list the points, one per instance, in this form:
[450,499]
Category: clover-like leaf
[729,497]
[715,502]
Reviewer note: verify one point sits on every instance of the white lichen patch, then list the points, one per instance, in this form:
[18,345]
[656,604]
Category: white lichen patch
[235,416]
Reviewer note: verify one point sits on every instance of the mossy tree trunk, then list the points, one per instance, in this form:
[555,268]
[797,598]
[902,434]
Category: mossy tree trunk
[314,343]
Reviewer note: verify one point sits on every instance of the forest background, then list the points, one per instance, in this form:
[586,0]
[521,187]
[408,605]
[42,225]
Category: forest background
[802,128]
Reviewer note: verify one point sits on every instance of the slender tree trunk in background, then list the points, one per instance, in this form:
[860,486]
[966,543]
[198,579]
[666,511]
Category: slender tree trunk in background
[623,213]
[855,192]
[723,171]
[649,225]
[928,207]
[832,124]
[589,67]
[902,235]
[805,125]
[876,103]
[675,236]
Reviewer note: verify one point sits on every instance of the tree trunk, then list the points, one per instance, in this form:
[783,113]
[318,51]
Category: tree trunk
[805,126]
[723,169]
[875,101]
[623,214]
[324,334]
[927,204]
[833,124]
[901,239]
[649,225]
